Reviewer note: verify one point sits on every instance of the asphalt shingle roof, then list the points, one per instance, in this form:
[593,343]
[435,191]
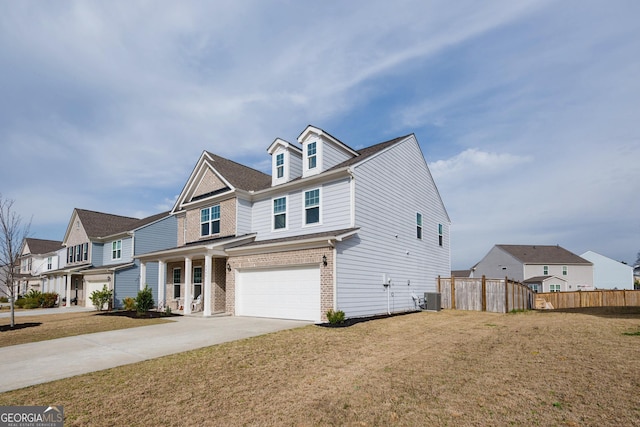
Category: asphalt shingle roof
[98,224]
[41,246]
[542,254]
[240,176]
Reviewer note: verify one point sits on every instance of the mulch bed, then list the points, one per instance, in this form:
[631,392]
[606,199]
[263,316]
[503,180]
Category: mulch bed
[355,320]
[5,328]
[135,315]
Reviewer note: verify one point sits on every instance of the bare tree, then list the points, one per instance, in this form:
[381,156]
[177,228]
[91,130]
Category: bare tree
[12,234]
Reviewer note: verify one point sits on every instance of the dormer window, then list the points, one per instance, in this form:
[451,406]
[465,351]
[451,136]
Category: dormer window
[280,165]
[311,155]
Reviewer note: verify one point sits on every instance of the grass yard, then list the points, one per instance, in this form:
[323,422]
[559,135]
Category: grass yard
[451,368]
[51,326]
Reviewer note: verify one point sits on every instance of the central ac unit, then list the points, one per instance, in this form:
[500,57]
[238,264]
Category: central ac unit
[432,301]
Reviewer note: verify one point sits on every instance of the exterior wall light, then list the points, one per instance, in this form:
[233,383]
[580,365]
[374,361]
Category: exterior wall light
[324,260]
[228,267]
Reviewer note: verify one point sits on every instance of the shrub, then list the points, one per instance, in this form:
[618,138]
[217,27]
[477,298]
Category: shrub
[33,299]
[335,317]
[100,298]
[129,303]
[20,302]
[144,300]
[4,299]
[49,299]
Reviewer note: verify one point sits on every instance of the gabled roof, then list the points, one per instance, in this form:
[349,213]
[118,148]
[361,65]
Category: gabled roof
[241,177]
[542,254]
[98,224]
[41,246]
[327,135]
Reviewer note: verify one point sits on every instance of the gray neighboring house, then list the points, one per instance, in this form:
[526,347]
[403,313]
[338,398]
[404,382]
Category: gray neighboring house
[544,268]
[99,250]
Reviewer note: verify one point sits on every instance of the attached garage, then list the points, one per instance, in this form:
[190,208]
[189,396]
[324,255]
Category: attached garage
[284,293]
[91,287]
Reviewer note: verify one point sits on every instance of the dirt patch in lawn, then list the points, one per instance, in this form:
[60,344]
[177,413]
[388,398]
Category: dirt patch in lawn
[452,368]
[51,326]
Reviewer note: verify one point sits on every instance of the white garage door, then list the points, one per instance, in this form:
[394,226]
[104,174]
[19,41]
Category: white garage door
[284,293]
[93,286]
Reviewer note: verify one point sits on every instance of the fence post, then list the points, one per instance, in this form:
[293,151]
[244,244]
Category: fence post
[453,292]
[506,294]
[484,293]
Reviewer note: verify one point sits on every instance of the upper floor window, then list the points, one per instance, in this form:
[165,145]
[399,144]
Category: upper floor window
[545,270]
[312,206]
[280,165]
[49,263]
[30,264]
[210,221]
[85,251]
[419,225]
[280,213]
[78,253]
[311,155]
[564,270]
[440,235]
[116,249]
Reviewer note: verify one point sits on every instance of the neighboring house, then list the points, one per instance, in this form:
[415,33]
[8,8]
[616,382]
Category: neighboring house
[609,273]
[461,273]
[362,231]
[524,262]
[99,250]
[37,258]
[4,288]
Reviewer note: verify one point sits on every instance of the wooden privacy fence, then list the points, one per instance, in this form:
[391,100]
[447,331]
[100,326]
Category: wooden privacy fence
[482,294]
[601,298]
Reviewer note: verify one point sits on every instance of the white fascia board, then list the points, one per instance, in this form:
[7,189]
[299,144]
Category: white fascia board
[312,129]
[211,248]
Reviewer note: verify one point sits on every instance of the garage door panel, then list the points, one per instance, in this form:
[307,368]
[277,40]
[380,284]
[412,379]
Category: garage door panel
[288,293]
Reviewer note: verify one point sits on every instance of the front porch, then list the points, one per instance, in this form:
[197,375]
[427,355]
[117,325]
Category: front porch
[192,285]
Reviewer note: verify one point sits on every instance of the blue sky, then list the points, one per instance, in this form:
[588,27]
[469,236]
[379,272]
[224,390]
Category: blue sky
[527,112]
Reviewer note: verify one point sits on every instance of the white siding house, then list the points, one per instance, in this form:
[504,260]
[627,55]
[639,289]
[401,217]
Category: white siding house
[608,273]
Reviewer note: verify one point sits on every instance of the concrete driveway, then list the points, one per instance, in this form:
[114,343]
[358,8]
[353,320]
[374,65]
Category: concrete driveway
[28,364]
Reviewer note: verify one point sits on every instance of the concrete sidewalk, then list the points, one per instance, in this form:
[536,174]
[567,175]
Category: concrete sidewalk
[35,363]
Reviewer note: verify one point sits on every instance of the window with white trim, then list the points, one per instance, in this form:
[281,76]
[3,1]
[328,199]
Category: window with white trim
[78,249]
[565,270]
[312,207]
[280,165]
[554,288]
[419,225]
[280,213]
[49,263]
[197,281]
[545,270]
[210,221]
[440,235]
[312,160]
[116,249]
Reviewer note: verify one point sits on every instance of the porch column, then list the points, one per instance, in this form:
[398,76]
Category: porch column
[162,282]
[143,275]
[67,279]
[207,285]
[187,285]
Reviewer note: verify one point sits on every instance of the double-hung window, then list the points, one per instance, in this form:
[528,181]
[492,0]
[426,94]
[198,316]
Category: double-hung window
[312,155]
[312,206]
[419,225]
[280,213]
[85,252]
[554,288]
[116,249]
[49,263]
[280,165]
[210,221]
[565,270]
[545,270]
